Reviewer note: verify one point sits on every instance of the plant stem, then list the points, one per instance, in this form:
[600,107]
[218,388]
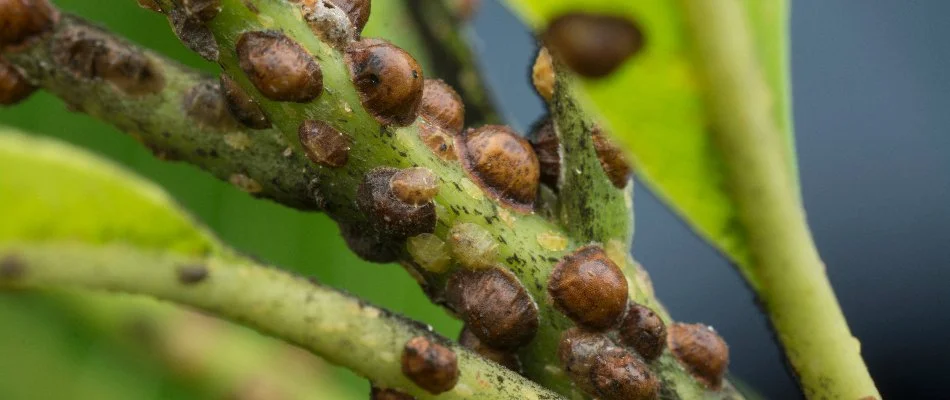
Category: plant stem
[591,208]
[163,124]
[219,358]
[792,283]
[459,200]
[342,329]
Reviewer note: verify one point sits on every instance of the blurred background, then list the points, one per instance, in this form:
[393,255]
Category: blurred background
[872,96]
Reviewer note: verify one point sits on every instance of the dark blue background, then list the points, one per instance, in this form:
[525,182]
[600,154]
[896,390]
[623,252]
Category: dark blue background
[871,112]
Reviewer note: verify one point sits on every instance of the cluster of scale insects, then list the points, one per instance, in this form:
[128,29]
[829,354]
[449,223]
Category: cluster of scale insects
[607,353]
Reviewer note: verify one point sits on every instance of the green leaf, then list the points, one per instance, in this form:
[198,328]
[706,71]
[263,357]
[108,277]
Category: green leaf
[655,105]
[53,191]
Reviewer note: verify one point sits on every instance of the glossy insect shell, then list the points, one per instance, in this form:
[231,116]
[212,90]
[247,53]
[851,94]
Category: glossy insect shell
[502,163]
[324,144]
[593,45]
[22,19]
[389,81]
[701,350]
[644,331]
[279,67]
[442,106]
[589,288]
[430,365]
[387,214]
[242,106]
[495,307]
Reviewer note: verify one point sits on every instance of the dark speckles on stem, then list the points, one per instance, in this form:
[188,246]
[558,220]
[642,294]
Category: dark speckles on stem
[11,267]
[192,274]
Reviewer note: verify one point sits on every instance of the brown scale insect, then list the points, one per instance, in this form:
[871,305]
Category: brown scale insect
[329,22]
[203,10]
[494,306]
[430,365]
[242,106]
[442,106]
[356,10]
[88,53]
[278,67]
[192,274]
[388,394]
[206,104]
[593,45]
[369,245]
[14,87]
[414,185]
[542,74]
[389,81]
[701,350]
[439,140]
[192,31]
[547,146]
[22,19]
[612,159]
[589,288]
[386,213]
[504,358]
[577,351]
[616,374]
[603,369]
[502,163]
[324,144]
[644,331]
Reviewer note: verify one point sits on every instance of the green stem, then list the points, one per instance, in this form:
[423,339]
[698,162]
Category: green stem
[219,358]
[342,329]
[790,276]
[591,207]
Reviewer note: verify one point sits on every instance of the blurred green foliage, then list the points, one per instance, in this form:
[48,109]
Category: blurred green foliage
[42,350]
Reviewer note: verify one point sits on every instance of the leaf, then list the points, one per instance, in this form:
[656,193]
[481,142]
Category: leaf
[654,105]
[53,191]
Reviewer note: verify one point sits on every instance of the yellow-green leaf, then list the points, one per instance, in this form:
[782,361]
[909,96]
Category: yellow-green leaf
[655,105]
[52,191]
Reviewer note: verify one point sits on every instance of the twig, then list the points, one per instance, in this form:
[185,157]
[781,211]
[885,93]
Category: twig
[342,329]
[787,272]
